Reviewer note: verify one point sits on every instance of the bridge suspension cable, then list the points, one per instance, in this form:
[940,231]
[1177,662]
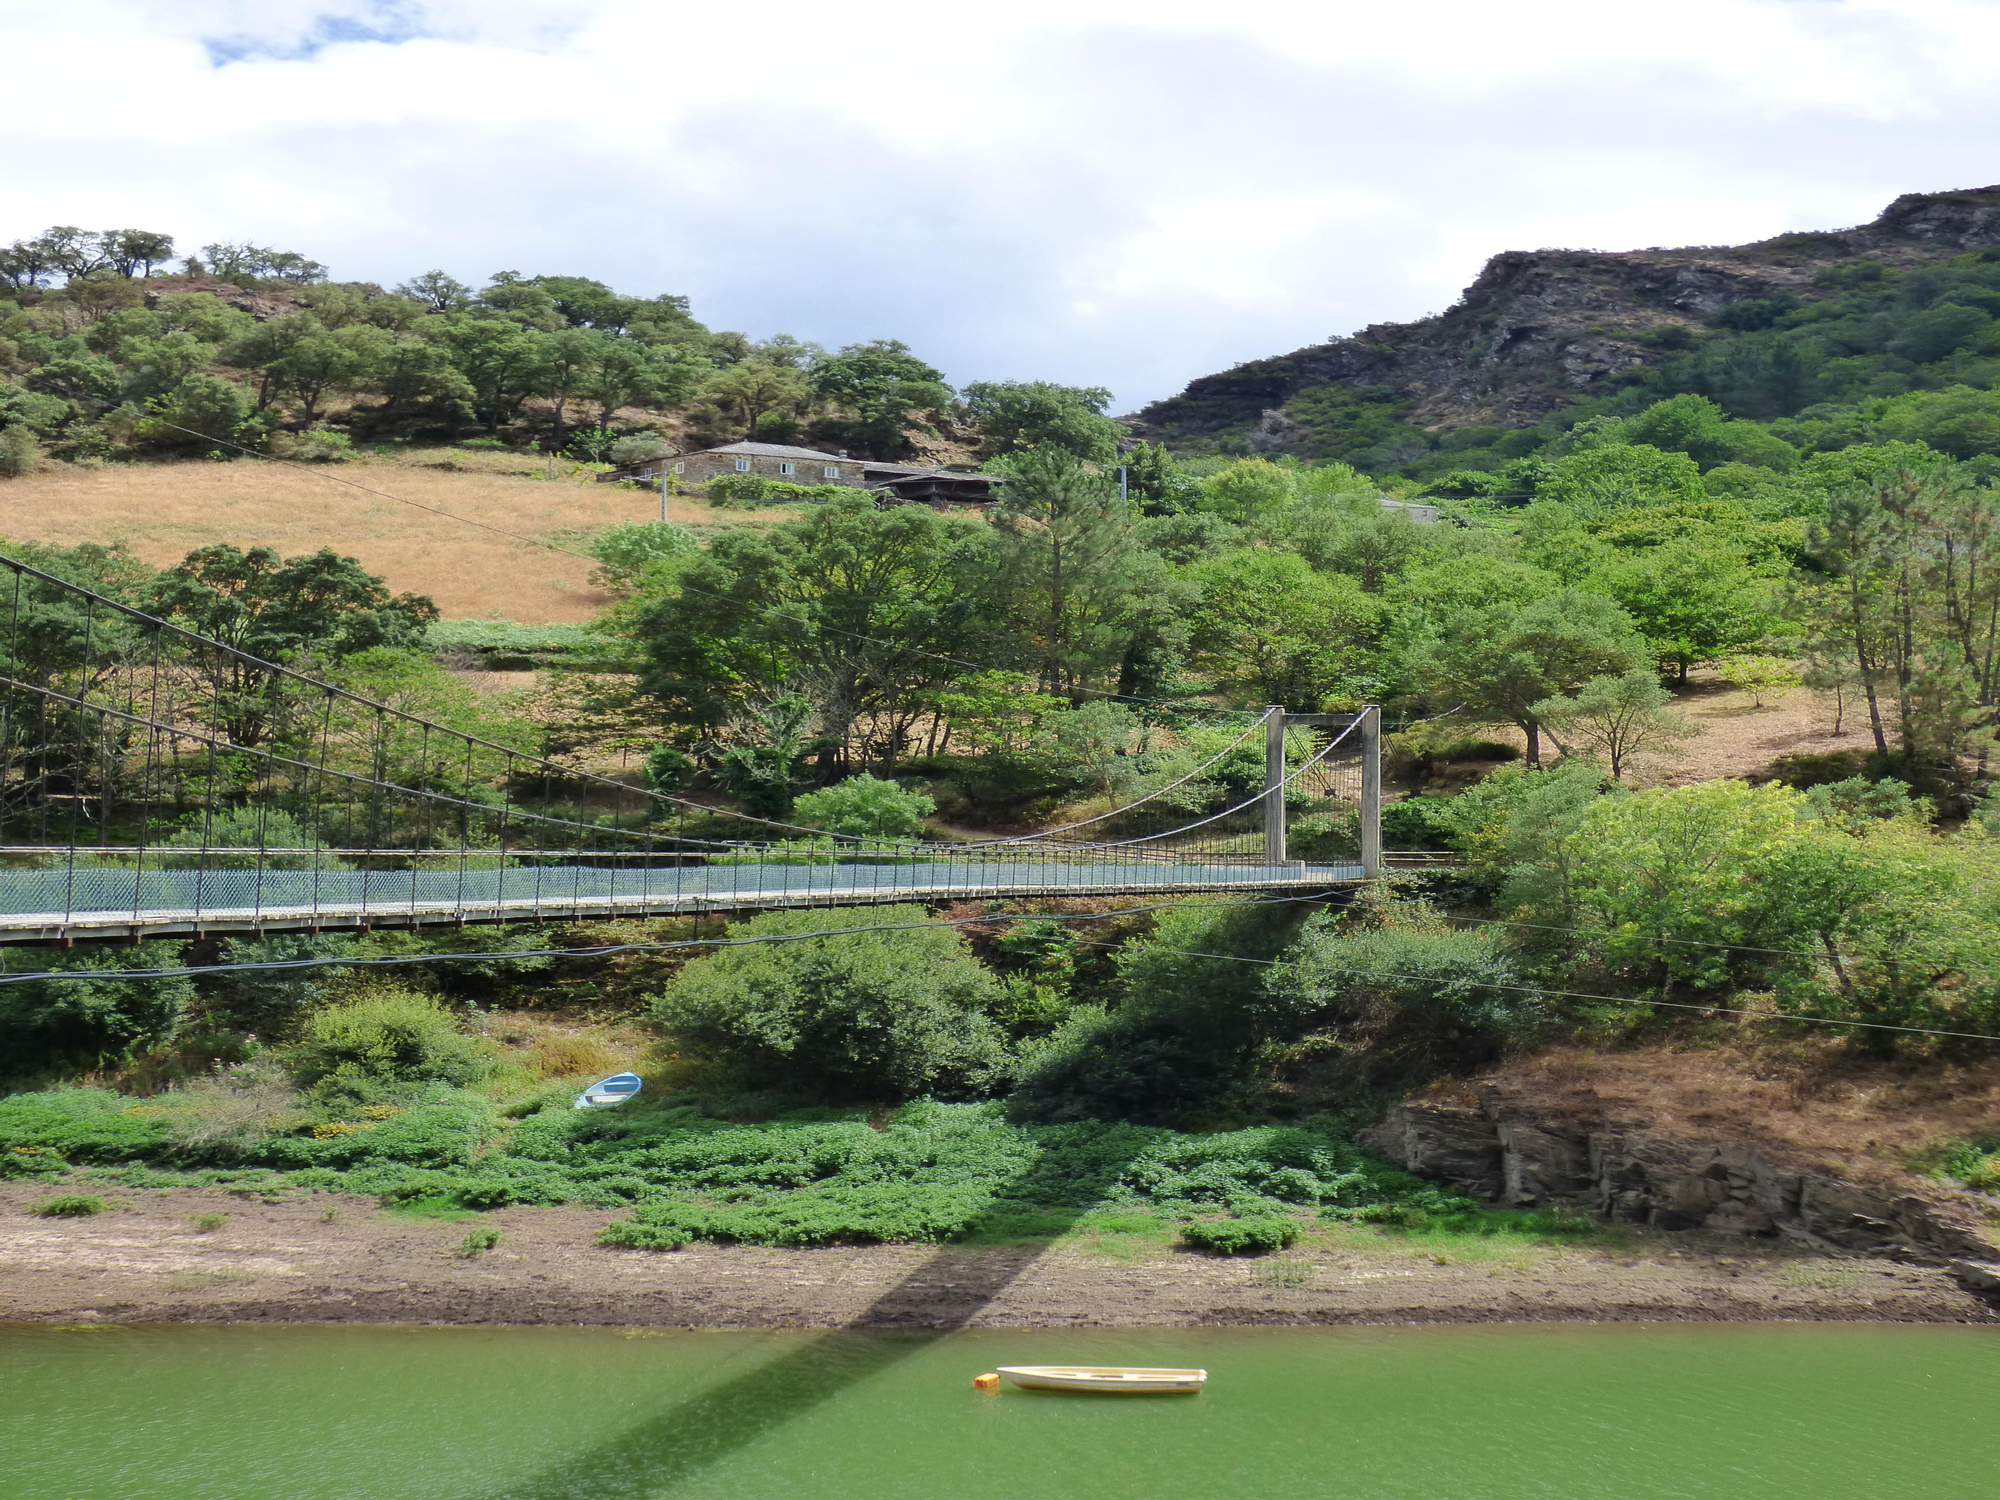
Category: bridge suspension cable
[295,802]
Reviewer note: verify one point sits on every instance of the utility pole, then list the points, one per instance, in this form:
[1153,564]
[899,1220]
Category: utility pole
[664,482]
[1274,785]
[1124,487]
[1371,793]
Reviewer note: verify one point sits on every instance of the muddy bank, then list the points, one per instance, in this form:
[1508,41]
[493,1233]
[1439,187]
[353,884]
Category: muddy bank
[151,1261]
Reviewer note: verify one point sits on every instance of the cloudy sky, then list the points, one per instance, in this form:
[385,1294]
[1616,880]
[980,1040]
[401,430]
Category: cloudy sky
[1094,191]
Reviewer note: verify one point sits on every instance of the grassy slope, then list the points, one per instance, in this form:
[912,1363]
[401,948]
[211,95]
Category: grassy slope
[164,511]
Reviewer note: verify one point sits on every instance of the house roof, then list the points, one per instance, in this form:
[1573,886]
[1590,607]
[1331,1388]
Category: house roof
[907,471]
[780,450]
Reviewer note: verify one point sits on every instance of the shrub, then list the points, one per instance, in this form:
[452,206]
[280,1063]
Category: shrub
[20,453]
[316,445]
[40,1132]
[1185,1033]
[199,413]
[477,1242]
[1406,1003]
[627,554]
[755,489]
[94,1017]
[866,807]
[636,448]
[69,1206]
[1416,823]
[387,1034]
[1254,1236]
[863,1015]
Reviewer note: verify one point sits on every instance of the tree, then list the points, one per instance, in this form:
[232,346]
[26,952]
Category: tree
[320,362]
[87,380]
[625,554]
[1249,490]
[857,609]
[96,1015]
[1015,415]
[1618,718]
[416,378]
[1503,659]
[629,373]
[1191,1018]
[749,391]
[20,454]
[886,387]
[277,610]
[763,763]
[201,412]
[439,292]
[1692,601]
[1157,482]
[134,252]
[1070,570]
[1405,1003]
[263,347]
[501,361]
[232,261]
[865,1016]
[1621,476]
[1760,676]
[1908,579]
[866,806]
[1274,631]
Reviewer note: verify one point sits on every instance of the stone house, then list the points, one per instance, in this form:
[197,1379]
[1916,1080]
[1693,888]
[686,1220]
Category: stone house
[893,483]
[778,461]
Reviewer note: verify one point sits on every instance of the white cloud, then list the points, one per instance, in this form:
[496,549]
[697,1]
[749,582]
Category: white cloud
[1099,191]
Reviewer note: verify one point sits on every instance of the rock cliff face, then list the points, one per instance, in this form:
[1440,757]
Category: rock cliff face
[1509,1154]
[1540,328]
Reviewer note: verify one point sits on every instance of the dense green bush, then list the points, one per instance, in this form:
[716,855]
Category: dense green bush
[388,1036]
[1186,1030]
[628,553]
[1408,1002]
[69,1206]
[859,1015]
[46,1132]
[95,1017]
[867,807]
[1251,1236]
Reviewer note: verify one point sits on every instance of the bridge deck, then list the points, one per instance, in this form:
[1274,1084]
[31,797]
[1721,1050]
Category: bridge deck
[62,905]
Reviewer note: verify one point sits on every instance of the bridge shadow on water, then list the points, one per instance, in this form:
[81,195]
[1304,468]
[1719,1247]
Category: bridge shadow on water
[942,1296]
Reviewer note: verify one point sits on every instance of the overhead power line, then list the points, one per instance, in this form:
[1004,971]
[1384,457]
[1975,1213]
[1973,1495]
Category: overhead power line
[609,949]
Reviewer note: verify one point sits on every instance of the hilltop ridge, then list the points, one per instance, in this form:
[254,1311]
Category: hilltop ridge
[1539,329]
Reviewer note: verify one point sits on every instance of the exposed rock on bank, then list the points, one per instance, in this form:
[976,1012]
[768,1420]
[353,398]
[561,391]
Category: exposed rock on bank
[1506,1149]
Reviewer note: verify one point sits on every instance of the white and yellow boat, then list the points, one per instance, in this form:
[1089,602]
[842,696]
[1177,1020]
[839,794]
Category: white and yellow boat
[1131,1379]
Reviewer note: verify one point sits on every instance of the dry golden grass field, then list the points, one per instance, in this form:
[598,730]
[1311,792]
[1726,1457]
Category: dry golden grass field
[164,511]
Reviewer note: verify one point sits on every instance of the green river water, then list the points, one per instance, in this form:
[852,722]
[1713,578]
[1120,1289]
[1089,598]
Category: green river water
[1829,1412]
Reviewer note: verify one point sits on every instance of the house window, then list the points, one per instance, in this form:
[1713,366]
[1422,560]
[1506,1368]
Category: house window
[743,466]
[680,468]
[784,468]
[833,471]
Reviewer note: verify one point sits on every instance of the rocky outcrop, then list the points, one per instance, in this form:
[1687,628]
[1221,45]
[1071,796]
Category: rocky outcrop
[259,303]
[1538,328]
[1509,1154]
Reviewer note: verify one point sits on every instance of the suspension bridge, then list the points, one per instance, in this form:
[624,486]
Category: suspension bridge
[155,781]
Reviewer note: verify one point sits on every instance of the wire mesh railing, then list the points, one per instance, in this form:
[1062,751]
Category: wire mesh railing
[153,778]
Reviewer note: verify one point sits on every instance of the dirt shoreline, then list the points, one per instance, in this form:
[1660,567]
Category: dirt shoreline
[150,1261]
